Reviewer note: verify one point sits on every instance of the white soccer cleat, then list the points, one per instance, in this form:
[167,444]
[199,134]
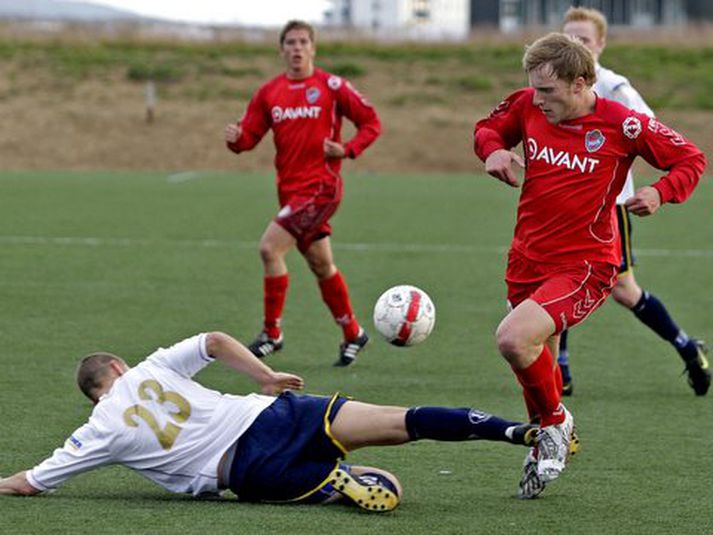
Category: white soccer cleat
[555,443]
[531,485]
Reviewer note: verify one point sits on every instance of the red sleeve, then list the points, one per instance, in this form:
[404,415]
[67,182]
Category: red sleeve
[502,128]
[359,111]
[666,149]
[256,122]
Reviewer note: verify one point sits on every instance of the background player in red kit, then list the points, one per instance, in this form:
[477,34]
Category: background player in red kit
[304,108]
[565,253]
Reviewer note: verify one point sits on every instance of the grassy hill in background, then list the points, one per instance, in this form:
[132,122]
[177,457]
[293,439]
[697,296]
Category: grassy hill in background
[84,96]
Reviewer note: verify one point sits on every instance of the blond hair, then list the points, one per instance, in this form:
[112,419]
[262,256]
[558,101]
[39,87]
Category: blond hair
[565,56]
[586,14]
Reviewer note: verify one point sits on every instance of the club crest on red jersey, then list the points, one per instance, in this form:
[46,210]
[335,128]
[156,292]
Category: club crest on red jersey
[312,94]
[594,140]
[631,127]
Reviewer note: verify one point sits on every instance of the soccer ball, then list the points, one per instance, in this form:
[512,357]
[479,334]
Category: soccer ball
[404,315]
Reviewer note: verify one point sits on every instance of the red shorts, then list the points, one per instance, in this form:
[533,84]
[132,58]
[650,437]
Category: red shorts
[305,215]
[569,293]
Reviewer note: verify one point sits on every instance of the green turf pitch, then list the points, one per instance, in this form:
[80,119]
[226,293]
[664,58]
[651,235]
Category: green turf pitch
[126,262]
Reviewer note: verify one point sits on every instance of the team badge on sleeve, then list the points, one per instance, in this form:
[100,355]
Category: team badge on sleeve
[500,109]
[334,82]
[312,95]
[631,127]
[594,140]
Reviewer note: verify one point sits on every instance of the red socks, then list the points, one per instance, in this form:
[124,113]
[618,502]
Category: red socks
[336,295]
[542,395]
[275,291]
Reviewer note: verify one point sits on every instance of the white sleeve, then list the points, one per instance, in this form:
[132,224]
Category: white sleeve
[186,358]
[631,98]
[86,449]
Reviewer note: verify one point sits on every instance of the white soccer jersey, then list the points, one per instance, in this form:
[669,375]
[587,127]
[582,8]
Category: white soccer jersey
[616,87]
[158,421]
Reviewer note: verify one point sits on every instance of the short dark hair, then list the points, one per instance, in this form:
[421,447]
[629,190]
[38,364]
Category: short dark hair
[296,25]
[566,56]
[92,370]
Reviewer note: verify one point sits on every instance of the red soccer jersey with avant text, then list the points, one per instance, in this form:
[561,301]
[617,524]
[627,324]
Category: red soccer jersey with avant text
[302,114]
[575,170]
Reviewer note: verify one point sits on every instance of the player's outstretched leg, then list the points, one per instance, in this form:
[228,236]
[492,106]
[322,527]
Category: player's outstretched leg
[457,424]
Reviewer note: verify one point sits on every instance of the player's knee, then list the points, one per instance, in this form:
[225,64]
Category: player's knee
[510,341]
[321,268]
[268,253]
[626,295]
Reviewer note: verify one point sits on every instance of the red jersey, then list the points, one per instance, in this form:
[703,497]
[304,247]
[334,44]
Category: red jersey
[302,114]
[575,170]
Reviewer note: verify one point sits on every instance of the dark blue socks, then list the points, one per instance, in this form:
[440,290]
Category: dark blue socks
[654,315]
[440,423]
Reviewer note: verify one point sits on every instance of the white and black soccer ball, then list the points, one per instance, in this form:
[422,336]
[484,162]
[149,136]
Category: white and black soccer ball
[404,315]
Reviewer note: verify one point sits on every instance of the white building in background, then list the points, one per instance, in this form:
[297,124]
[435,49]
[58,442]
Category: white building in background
[427,19]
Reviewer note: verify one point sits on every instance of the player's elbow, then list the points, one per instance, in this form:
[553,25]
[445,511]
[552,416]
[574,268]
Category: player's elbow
[233,147]
[216,341]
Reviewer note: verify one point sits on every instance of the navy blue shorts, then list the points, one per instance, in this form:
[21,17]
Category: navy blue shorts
[288,452]
[628,260]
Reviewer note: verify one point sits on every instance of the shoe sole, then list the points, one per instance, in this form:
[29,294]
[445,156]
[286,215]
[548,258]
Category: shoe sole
[373,498]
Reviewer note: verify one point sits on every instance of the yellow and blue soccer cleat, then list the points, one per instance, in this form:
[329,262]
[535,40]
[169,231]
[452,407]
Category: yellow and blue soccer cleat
[368,491]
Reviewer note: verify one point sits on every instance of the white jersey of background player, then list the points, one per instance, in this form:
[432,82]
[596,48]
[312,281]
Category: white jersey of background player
[590,26]
[614,86]
[151,401]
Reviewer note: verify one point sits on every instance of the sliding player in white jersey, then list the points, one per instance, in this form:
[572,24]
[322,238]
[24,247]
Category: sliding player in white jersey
[590,27]
[156,420]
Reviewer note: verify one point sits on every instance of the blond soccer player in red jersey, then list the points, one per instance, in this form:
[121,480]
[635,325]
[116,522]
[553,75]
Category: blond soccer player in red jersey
[304,108]
[565,252]
[590,26]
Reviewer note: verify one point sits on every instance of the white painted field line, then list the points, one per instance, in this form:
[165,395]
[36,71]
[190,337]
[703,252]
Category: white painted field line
[185,176]
[445,248]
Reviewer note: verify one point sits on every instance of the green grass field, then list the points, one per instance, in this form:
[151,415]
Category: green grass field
[126,262]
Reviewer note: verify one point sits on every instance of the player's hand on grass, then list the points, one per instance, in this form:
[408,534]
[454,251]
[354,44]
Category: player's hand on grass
[499,165]
[645,202]
[233,132]
[279,382]
[332,149]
